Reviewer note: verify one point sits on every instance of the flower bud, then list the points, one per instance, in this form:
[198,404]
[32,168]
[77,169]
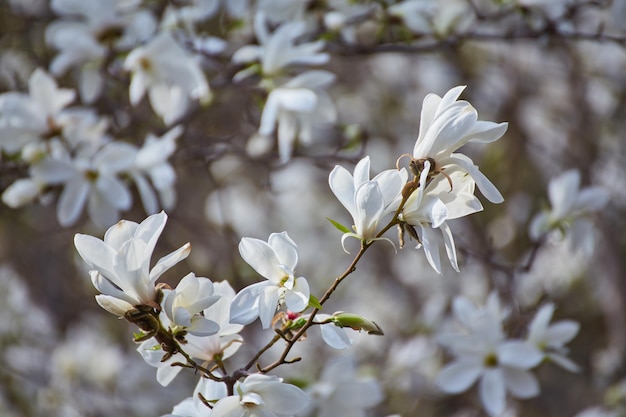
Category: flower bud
[356,322]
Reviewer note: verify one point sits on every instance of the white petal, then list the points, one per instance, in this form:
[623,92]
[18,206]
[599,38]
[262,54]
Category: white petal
[342,185]
[285,249]
[268,304]
[169,261]
[113,305]
[519,354]
[335,337]
[521,384]
[72,201]
[458,376]
[561,332]
[492,392]
[298,299]
[244,307]
[262,258]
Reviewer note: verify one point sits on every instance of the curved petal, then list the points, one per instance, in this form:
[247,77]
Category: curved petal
[561,332]
[297,299]
[268,303]
[342,185]
[244,307]
[492,392]
[335,337]
[72,201]
[459,376]
[520,383]
[169,261]
[369,209]
[285,249]
[262,258]
[518,354]
[485,186]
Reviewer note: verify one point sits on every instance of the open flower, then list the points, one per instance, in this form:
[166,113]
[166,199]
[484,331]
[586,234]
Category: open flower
[368,201]
[432,204]
[279,49]
[484,354]
[276,261]
[446,124]
[121,262]
[551,338]
[29,118]
[340,392]
[184,303]
[296,108]
[262,395]
[169,73]
[569,203]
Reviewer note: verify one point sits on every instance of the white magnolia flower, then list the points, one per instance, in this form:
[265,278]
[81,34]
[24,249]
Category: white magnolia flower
[485,354]
[226,341]
[31,118]
[569,204]
[551,338]
[279,49]
[432,204]
[340,392]
[183,304]
[368,201]
[90,31]
[151,161]
[262,396]
[296,108]
[92,180]
[121,262]
[447,124]
[276,261]
[170,74]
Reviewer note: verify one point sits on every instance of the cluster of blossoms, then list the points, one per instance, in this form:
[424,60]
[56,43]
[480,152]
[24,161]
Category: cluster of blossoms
[443,181]
[198,322]
[69,148]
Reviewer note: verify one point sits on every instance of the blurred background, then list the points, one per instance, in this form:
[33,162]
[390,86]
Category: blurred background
[555,70]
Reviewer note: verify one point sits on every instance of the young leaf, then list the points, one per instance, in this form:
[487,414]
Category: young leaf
[338,225]
[314,302]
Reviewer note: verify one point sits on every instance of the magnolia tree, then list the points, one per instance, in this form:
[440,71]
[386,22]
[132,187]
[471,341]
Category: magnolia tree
[446,264]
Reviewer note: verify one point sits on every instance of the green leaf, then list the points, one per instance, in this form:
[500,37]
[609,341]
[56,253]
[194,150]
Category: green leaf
[338,225]
[314,302]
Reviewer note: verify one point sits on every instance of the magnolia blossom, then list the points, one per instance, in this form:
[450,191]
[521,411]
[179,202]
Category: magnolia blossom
[551,338]
[183,304]
[340,392]
[121,262]
[170,74]
[432,204]
[89,179]
[84,43]
[29,118]
[569,203]
[262,395]
[484,354]
[276,261]
[296,108]
[446,124]
[279,49]
[151,161]
[368,201]
[226,341]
